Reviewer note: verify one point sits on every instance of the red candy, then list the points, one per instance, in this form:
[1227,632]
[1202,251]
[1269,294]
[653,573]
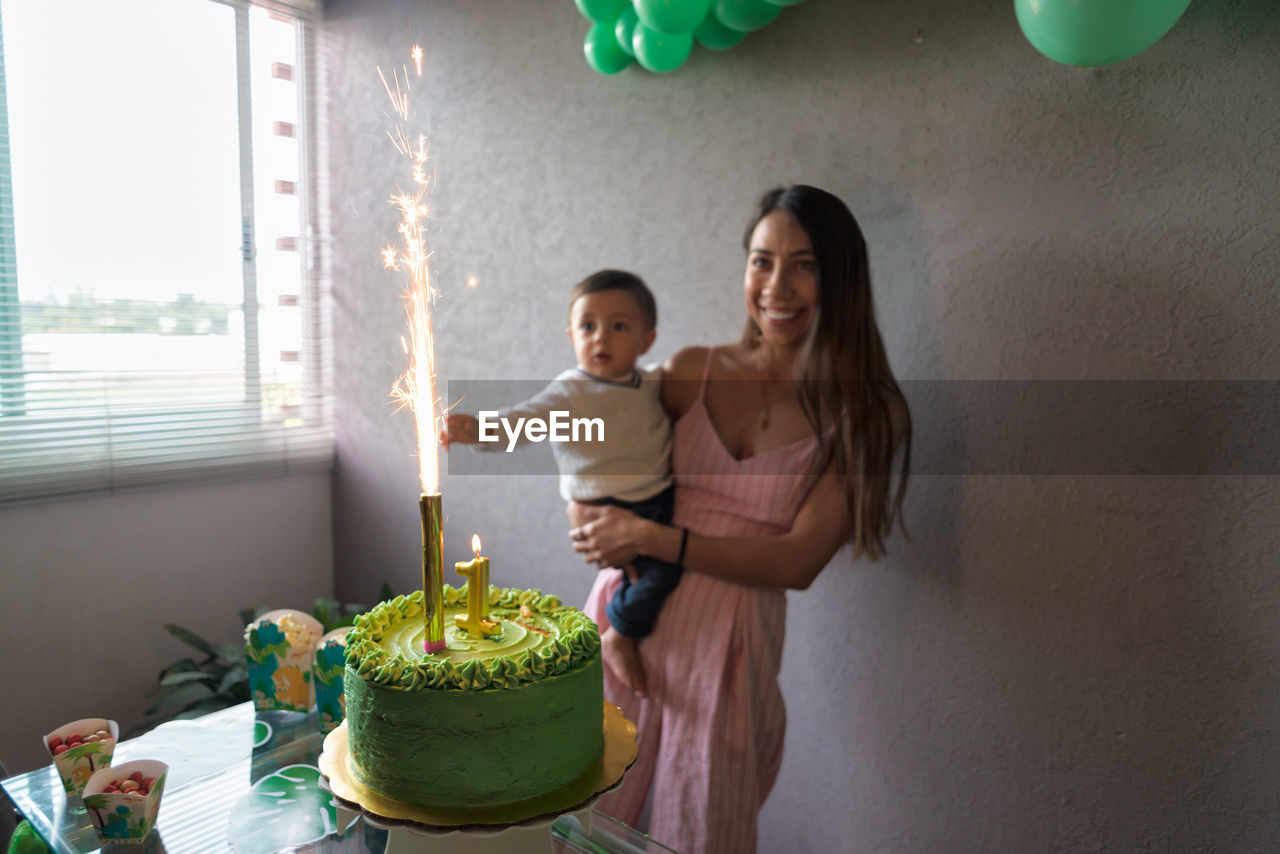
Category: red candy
[61,744]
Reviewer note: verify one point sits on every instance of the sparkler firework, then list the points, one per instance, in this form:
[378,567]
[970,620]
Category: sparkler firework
[416,389]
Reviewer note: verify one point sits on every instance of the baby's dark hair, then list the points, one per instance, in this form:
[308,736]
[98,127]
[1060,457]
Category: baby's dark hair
[619,280]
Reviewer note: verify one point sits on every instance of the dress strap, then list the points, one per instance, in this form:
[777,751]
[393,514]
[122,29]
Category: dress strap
[706,372]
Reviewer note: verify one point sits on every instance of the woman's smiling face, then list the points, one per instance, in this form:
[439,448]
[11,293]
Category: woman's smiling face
[781,281]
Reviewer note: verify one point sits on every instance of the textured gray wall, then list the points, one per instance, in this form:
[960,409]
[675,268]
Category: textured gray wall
[1053,663]
[86,579]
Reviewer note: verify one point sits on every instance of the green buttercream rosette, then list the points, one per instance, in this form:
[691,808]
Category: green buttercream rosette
[577,643]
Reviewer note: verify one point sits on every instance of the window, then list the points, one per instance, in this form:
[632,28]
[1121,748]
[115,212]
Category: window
[161,313]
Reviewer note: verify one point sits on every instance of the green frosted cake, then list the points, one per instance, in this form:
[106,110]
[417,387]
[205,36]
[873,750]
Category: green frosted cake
[487,721]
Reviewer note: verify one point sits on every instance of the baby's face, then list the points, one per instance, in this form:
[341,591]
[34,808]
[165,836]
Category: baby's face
[608,334]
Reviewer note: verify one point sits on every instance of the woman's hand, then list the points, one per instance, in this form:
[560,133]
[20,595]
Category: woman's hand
[607,536]
[580,514]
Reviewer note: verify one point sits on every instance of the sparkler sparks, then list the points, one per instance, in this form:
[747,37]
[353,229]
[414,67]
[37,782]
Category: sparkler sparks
[416,389]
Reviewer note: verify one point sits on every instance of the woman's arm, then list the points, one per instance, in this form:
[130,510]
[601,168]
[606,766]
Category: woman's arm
[791,560]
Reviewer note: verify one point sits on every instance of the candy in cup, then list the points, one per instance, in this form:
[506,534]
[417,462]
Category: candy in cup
[81,748]
[123,801]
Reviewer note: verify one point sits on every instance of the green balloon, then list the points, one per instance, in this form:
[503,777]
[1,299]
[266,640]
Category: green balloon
[624,29]
[601,11]
[1096,32]
[26,840]
[715,35]
[672,16]
[660,52]
[745,15]
[602,51]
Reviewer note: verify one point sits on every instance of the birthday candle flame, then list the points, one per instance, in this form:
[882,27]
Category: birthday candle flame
[416,389]
[475,544]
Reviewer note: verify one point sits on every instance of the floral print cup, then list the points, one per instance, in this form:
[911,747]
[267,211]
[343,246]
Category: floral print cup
[125,817]
[277,649]
[81,748]
[327,668]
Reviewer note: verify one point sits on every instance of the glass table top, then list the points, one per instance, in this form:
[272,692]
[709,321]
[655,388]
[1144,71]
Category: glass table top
[246,782]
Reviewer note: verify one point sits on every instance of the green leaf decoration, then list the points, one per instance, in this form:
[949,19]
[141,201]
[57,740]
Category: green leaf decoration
[285,809]
[189,637]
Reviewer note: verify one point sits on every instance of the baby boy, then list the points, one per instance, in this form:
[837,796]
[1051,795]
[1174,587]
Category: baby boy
[612,322]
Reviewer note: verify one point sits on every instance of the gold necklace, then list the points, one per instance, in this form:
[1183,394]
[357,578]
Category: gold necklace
[762,420]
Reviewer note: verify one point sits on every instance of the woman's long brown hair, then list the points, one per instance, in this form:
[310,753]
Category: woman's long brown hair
[843,373]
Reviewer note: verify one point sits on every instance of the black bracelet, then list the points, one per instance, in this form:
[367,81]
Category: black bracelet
[684,541]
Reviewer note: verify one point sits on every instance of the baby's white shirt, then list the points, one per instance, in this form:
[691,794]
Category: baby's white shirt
[634,460]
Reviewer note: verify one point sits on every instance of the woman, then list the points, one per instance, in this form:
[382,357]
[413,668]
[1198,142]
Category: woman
[783,452]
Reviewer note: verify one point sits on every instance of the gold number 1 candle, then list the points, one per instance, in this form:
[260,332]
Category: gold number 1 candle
[477,621]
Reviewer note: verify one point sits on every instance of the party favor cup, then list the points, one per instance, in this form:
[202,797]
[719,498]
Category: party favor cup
[94,742]
[328,664]
[277,648]
[121,817]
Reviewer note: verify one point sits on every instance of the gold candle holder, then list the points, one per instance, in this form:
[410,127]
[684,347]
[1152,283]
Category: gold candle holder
[432,570]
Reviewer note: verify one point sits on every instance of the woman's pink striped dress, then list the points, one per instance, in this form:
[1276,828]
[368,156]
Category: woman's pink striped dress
[711,728]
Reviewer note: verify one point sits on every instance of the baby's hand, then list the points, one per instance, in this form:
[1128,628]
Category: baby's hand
[463,429]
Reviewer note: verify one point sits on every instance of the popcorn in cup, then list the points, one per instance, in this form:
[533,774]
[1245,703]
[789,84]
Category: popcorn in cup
[277,649]
[123,801]
[81,748]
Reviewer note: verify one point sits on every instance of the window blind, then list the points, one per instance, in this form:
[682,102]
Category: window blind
[162,314]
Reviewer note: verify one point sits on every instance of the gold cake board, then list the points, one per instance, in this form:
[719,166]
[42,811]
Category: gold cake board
[524,826]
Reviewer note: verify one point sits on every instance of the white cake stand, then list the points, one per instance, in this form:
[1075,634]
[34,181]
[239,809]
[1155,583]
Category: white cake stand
[519,828]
